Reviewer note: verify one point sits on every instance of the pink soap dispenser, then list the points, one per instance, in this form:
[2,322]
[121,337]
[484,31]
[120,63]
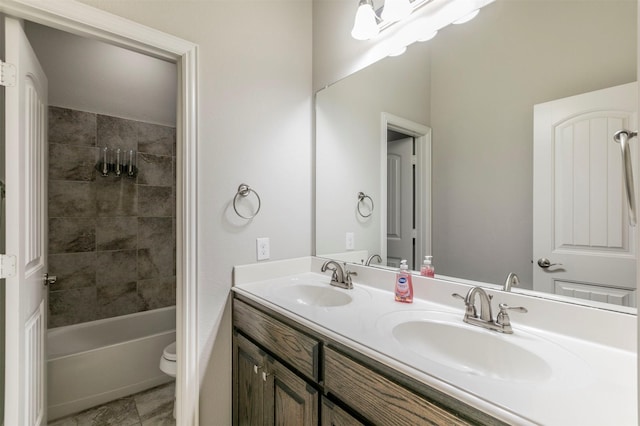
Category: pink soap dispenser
[404,287]
[427,269]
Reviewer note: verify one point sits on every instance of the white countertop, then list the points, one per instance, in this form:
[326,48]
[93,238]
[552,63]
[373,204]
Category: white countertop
[592,379]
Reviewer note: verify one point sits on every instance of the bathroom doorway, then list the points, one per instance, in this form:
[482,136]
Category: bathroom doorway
[406,191]
[111,214]
[76,19]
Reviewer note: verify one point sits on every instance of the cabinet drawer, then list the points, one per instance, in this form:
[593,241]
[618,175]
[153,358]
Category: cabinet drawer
[297,349]
[377,398]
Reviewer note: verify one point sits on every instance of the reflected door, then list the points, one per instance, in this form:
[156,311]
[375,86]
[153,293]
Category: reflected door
[583,245]
[26,149]
[400,202]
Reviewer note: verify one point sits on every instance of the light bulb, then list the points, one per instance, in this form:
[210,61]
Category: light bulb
[396,10]
[365,26]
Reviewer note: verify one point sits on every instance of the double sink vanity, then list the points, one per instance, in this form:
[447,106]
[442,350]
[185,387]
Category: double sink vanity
[313,353]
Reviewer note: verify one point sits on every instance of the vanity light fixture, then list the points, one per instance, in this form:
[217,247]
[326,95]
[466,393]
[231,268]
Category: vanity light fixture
[396,10]
[467,17]
[425,16]
[365,26]
[399,51]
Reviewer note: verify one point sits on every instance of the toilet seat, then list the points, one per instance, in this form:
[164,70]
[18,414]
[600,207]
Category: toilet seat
[169,353]
[168,360]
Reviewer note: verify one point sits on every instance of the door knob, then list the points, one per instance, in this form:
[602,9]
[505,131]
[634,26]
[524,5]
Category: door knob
[49,279]
[544,263]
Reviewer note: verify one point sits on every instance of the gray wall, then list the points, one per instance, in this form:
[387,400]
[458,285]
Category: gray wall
[486,75]
[348,117]
[111,239]
[254,126]
[89,75]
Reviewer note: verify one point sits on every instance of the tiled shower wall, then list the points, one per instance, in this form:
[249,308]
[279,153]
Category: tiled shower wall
[111,239]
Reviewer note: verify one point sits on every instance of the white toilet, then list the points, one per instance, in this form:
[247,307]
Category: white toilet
[168,366]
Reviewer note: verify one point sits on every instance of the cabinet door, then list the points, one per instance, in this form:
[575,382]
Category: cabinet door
[248,383]
[290,400]
[332,415]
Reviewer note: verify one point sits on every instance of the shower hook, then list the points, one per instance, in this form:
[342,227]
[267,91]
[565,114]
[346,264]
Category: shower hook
[361,197]
[243,191]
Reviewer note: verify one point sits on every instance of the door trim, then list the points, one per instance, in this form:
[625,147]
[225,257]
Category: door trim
[423,180]
[87,21]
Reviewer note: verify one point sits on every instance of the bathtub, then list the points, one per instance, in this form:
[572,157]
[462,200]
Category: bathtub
[99,361]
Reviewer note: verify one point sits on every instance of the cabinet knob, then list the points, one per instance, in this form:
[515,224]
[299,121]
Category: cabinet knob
[265,375]
[256,368]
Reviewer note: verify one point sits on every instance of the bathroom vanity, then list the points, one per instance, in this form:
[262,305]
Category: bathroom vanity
[311,353]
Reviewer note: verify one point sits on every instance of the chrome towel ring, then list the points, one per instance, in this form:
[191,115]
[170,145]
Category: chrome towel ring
[361,200]
[243,191]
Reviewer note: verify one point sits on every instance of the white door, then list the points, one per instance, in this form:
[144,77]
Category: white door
[400,202]
[580,216]
[26,150]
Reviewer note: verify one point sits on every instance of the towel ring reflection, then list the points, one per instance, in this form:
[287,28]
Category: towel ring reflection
[243,191]
[361,197]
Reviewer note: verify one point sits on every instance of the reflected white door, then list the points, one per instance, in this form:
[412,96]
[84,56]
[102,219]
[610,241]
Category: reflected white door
[400,202]
[26,150]
[580,211]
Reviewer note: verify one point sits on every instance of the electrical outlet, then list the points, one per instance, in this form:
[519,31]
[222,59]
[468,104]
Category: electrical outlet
[262,248]
[350,241]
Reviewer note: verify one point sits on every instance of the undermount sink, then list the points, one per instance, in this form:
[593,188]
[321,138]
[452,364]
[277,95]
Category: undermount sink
[313,295]
[445,339]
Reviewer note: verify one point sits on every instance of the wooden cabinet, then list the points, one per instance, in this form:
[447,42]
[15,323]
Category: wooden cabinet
[268,393]
[333,415]
[280,369]
[379,399]
[248,390]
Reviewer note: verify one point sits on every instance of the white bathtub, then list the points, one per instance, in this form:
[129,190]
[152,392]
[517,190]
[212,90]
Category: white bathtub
[99,361]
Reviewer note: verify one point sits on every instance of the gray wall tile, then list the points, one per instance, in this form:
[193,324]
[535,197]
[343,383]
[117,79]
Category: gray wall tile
[73,270]
[117,233]
[72,199]
[116,267]
[155,232]
[156,139]
[155,201]
[118,299]
[72,306]
[156,262]
[116,197]
[72,235]
[117,132]
[155,170]
[112,239]
[158,293]
[69,162]
[71,127]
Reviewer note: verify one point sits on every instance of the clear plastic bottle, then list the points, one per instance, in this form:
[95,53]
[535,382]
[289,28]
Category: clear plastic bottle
[404,287]
[427,269]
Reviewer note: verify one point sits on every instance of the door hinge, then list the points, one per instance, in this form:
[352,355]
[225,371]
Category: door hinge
[414,160]
[7,265]
[414,233]
[7,74]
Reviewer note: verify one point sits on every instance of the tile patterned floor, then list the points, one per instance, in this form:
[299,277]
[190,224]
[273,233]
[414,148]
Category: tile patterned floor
[153,407]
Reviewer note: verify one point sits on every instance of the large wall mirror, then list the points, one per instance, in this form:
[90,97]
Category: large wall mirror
[465,105]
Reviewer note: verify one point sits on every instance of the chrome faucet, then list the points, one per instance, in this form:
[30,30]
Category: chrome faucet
[339,277]
[511,281]
[370,258]
[502,322]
